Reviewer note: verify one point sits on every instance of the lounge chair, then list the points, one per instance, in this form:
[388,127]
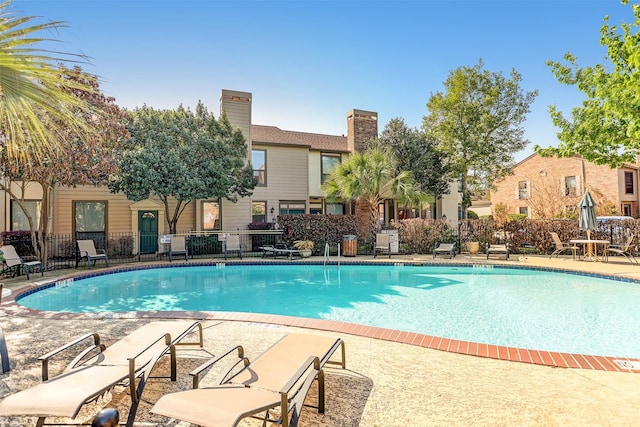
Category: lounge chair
[279,377]
[178,247]
[98,369]
[498,249]
[562,247]
[87,249]
[446,249]
[13,260]
[275,251]
[625,250]
[383,244]
[232,244]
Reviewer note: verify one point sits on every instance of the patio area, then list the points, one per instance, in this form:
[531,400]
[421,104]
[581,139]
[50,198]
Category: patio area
[385,384]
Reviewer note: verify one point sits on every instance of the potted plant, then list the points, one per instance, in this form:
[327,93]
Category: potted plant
[304,246]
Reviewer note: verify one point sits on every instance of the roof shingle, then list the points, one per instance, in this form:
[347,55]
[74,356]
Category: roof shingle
[274,135]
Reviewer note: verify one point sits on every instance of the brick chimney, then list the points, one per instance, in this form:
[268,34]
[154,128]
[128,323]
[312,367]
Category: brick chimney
[361,127]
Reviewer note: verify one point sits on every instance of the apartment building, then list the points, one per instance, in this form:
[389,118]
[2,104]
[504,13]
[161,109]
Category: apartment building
[546,186]
[289,167]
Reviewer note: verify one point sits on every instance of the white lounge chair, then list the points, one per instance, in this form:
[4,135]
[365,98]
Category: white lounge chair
[446,249]
[87,249]
[12,259]
[232,244]
[178,247]
[383,244]
[498,249]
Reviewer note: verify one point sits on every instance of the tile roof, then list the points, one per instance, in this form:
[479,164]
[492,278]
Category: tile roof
[316,141]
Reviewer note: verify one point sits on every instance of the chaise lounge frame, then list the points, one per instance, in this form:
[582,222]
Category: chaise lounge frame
[98,369]
[278,378]
[12,259]
[87,249]
[446,249]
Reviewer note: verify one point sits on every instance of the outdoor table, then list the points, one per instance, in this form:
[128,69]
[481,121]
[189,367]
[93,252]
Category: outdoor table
[591,247]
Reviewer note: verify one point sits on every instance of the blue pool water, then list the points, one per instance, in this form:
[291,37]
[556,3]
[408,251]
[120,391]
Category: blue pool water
[511,307]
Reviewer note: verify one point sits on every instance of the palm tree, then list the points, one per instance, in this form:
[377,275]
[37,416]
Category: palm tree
[370,178]
[32,88]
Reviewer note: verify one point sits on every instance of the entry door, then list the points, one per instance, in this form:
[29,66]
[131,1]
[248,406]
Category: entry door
[148,229]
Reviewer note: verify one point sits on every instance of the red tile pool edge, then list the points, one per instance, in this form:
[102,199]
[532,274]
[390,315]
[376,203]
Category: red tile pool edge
[512,354]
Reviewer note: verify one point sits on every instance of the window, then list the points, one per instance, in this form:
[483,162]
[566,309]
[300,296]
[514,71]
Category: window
[523,190]
[626,209]
[570,186]
[524,210]
[259,211]
[329,161]
[292,208]
[19,219]
[335,208]
[211,216]
[315,206]
[259,162]
[90,220]
[628,183]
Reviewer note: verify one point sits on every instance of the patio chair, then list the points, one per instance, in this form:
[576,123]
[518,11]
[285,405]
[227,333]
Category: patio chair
[87,249]
[446,249]
[562,246]
[498,249]
[383,244]
[178,247]
[232,244]
[625,250]
[279,377]
[98,369]
[13,260]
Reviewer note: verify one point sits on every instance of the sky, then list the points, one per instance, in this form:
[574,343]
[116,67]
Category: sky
[307,63]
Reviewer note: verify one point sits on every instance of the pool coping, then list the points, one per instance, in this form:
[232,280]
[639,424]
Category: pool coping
[512,354]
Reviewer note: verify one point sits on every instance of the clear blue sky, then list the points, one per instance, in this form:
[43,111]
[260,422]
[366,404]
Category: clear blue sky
[308,63]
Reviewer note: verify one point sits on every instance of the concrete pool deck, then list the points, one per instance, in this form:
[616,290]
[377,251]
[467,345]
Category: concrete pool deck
[386,383]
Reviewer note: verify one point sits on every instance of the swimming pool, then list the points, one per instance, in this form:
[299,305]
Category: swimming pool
[513,307]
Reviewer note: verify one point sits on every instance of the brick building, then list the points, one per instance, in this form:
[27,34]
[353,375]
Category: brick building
[545,187]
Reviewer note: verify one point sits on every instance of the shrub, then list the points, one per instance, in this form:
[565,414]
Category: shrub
[120,246]
[320,229]
[204,245]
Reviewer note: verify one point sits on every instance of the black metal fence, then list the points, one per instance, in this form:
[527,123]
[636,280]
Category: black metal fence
[528,236]
[122,248]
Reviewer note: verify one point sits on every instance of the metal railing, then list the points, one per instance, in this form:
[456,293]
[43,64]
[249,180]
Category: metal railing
[123,248]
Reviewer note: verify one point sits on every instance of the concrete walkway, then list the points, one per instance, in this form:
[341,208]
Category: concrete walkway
[385,383]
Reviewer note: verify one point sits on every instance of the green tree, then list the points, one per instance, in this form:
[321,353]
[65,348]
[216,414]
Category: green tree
[80,158]
[370,178]
[606,129]
[182,155]
[477,125]
[33,89]
[415,152]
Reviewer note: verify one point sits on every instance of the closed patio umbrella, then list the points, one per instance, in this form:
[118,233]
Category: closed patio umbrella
[587,219]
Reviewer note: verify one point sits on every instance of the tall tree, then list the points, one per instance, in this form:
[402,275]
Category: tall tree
[606,128]
[415,152]
[182,155]
[33,89]
[80,158]
[370,178]
[477,125]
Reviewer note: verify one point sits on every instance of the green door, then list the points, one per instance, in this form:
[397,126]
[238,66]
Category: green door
[148,230]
